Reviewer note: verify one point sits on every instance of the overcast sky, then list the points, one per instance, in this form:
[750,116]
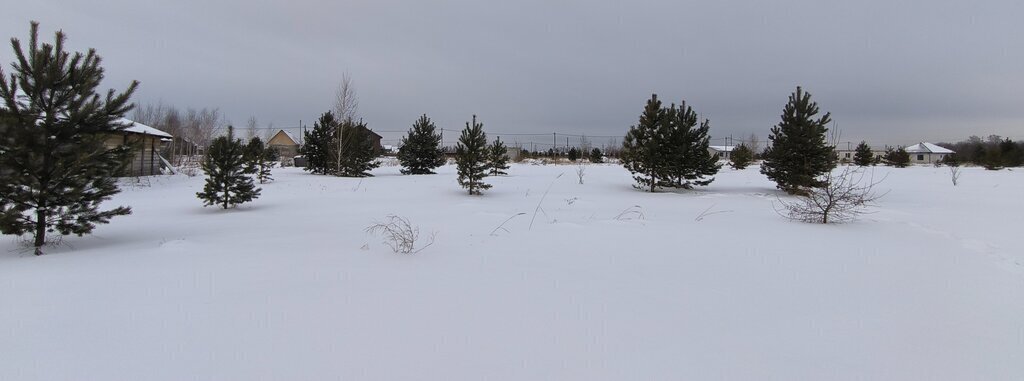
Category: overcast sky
[891,72]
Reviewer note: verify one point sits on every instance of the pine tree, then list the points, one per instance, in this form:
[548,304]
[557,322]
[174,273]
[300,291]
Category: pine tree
[259,159]
[227,181]
[896,157]
[471,157]
[643,149]
[574,154]
[595,156]
[799,153]
[741,157]
[318,145]
[863,155]
[421,150]
[497,158]
[55,170]
[993,159]
[689,160]
[358,155]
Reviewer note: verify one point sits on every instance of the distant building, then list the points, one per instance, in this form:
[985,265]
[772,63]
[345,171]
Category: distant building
[286,145]
[147,142]
[723,152]
[927,153]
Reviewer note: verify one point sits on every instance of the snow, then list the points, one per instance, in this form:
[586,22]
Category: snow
[722,148]
[140,128]
[930,286]
[926,148]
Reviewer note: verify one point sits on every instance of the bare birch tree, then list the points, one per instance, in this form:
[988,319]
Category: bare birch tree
[346,109]
[251,128]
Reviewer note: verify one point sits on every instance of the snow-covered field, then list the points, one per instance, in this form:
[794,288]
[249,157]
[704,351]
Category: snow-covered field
[610,283]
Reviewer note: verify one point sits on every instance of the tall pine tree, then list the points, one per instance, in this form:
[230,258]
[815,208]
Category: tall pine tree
[862,155]
[799,154]
[421,150]
[55,170]
[317,145]
[471,157]
[227,181]
[643,149]
[497,158]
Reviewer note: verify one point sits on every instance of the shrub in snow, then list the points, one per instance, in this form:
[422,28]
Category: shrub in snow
[954,174]
[595,156]
[420,151]
[54,167]
[799,155]
[843,197]
[399,234]
[471,154]
[227,181]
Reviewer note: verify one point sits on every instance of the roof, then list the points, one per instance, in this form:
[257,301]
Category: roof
[139,128]
[722,148]
[286,134]
[926,148]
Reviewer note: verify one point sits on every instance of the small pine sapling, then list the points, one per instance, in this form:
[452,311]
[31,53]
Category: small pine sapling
[863,155]
[471,156]
[227,182]
[420,152]
[741,157]
[595,156]
[497,158]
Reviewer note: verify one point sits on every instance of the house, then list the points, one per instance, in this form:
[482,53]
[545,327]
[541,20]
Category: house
[147,142]
[927,153]
[723,152]
[287,146]
[847,154]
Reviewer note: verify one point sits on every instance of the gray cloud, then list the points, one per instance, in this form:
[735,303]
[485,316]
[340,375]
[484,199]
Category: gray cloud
[891,72]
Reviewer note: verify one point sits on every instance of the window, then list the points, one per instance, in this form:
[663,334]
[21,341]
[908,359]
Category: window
[920,157]
[847,155]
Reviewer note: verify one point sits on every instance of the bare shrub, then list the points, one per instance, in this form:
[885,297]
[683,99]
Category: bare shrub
[954,174]
[843,198]
[399,234]
[581,170]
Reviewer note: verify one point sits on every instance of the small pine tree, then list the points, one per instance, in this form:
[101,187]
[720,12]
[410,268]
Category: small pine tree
[896,157]
[55,169]
[227,182]
[259,159]
[574,154]
[595,156]
[471,157]
[799,153]
[863,155]
[741,157]
[358,155]
[421,150]
[318,145]
[497,158]
[643,148]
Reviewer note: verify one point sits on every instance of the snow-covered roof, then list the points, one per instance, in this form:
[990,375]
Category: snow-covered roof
[926,148]
[722,148]
[140,128]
